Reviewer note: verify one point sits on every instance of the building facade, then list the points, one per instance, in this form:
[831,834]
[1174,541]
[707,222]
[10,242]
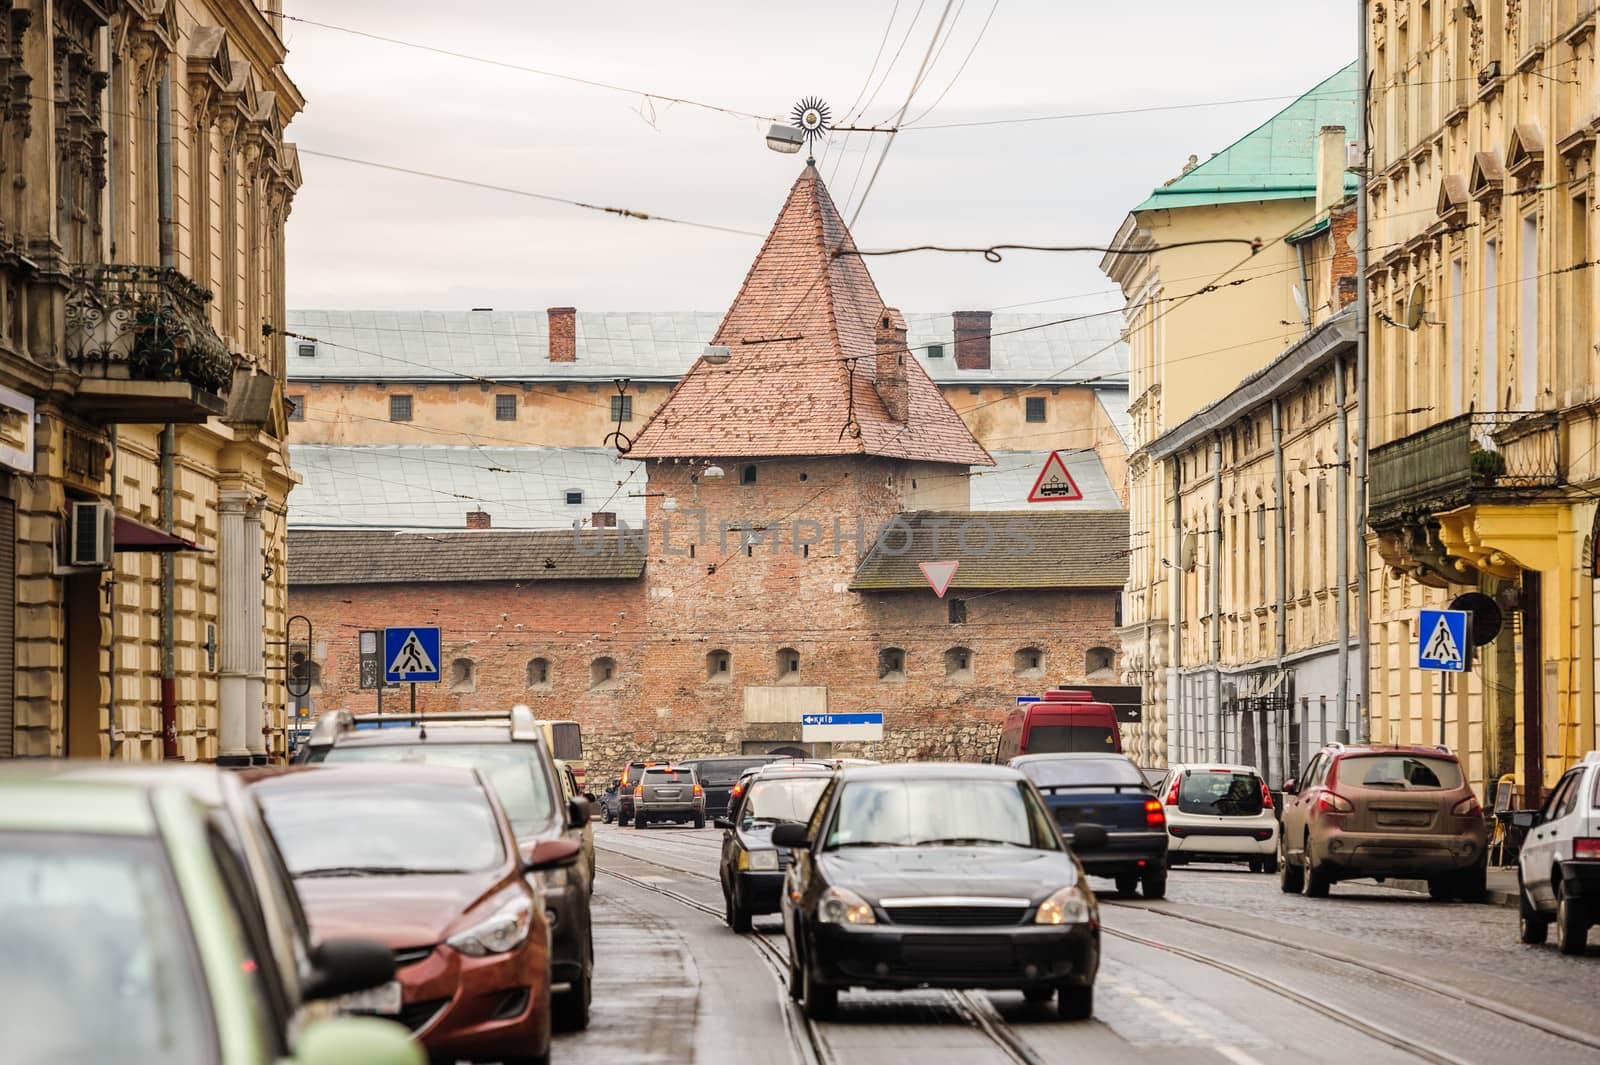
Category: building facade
[146,472]
[1485,436]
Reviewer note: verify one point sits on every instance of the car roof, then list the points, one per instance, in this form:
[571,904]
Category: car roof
[376,774]
[204,783]
[1390,748]
[35,800]
[398,735]
[808,773]
[1206,767]
[929,771]
[1070,756]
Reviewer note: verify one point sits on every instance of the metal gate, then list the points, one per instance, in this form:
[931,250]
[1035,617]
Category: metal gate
[8,617]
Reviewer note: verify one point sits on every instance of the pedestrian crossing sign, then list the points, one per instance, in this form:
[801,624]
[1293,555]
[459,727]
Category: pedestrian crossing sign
[411,654]
[1442,640]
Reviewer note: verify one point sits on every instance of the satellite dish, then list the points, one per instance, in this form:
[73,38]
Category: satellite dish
[1416,306]
[1187,552]
[1301,304]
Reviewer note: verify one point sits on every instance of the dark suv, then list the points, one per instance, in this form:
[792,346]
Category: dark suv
[508,749]
[718,776]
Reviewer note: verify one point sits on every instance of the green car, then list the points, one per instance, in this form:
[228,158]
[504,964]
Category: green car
[129,937]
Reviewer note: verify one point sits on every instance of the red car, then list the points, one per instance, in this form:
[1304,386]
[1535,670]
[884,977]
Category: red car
[423,859]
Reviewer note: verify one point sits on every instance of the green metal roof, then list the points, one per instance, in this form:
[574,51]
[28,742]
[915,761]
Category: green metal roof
[1275,161]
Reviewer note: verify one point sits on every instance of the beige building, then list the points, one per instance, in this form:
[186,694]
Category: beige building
[1485,432]
[145,470]
[1200,318]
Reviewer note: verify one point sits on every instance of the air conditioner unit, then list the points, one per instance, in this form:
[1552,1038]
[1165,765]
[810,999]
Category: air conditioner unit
[92,535]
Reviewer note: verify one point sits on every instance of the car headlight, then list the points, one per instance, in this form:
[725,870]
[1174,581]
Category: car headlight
[762,861]
[841,906]
[1070,905]
[503,932]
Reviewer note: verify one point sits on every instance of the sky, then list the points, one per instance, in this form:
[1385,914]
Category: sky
[365,237]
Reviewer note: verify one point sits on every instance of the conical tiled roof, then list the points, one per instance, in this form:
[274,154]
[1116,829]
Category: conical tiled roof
[803,363]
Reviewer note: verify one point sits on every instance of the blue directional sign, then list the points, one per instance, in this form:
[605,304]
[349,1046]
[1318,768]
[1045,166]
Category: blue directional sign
[1442,640]
[411,654]
[825,728]
[841,719]
[1024,700]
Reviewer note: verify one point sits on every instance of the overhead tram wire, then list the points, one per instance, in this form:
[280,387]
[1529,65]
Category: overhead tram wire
[862,110]
[962,68]
[860,93]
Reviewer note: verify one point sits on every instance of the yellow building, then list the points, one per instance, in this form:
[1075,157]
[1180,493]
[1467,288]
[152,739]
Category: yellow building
[142,568]
[1200,318]
[1485,439]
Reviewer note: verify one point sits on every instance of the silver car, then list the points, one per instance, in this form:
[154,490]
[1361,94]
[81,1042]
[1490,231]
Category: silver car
[669,793]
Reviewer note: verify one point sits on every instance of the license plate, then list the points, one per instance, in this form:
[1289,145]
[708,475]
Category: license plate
[384,998]
[665,794]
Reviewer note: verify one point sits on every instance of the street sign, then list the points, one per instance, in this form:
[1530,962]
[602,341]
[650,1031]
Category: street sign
[939,575]
[1055,484]
[412,654]
[826,728]
[1024,700]
[371,659]
[1442,640]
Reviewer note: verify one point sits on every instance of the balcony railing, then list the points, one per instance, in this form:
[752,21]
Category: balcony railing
[1465,459]
[143,323]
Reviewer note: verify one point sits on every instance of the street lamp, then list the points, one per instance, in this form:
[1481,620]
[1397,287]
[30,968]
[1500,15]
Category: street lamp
[717,354]
[785,139]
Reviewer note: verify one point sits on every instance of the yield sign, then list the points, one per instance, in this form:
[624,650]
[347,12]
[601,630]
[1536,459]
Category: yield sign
[939,575]
[1055,484]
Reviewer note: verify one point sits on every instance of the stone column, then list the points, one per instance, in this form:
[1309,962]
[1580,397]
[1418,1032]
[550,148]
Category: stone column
[252,623]
[237,639]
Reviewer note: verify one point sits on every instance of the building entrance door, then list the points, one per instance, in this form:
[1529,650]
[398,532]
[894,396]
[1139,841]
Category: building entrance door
[83,723]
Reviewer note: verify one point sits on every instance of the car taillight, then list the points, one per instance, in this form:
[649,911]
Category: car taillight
[1331,802]
[638,791]
[1467,807]
[1172,796]
[698,790]
[1266,796]
[737,790]
[1586,847]
[1154,816]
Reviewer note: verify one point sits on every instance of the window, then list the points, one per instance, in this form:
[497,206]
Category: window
[297,408]
[622,408]
[602,674]
[935,351]
[719,667]
[1029,662]
[539,673]
[892,665]
[463,675]
[958,611]
[788,665]
[505,408]
[958,664]
[747,474]
[1035,408]
[306,351]
[1099,660]
[574,497]
[399,408]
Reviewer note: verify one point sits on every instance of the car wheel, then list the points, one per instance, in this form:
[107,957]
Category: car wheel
[1314,883]
[1255,865]
[1472,885]
[534,1059]
[1038,995]
[1075,1003]
[605,814]
[622,819]
[1127,883]
[569,1011]
[638,821]
[700,821]
[738,916]
[1572,930]
[819,1002]
[1533,927]
[1291,877]
[1154,884]
[1269,864]
[797,988]
[1441,888]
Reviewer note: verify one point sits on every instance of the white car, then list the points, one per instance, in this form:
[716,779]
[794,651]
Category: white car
[1558,870]
[1218,812]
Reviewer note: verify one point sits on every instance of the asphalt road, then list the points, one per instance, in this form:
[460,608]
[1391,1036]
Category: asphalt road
[1226,970]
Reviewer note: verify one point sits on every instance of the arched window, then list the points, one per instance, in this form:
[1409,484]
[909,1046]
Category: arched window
[1099,660]
[1028,663]
[602,674]
[539,673]
[892,665]
[719,667]
[788,665]
[958,664]
[463,675]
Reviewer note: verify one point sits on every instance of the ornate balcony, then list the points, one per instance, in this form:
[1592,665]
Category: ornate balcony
[1486,457]
[139,337]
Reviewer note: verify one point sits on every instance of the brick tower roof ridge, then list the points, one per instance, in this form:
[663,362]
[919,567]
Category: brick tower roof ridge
[802,368]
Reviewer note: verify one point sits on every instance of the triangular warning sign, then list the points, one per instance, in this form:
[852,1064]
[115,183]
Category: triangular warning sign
[939,575]
[412,658]
[1441,646]
[1055,484]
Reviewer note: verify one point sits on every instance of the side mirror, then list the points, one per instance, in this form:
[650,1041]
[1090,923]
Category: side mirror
[1088,838]
[791,834]
[1525,818]
[340,1040]
[988,759]
[1291,787]
[616,783]
[578,812]
[721,822]
[552,854]
[590,796]
[340,966]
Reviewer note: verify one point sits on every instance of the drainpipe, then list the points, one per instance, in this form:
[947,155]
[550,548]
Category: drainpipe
[1215,749]
[1178,733]
[1363,708]
[1342,519]
[111,434]
[1281,572]
[169,433]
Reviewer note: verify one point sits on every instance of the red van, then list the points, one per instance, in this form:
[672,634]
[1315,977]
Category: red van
[1064,721]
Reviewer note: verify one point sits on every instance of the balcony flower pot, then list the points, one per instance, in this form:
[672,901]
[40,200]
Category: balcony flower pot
[1487,466]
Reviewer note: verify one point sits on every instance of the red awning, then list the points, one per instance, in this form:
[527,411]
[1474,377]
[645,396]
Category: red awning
[136,536]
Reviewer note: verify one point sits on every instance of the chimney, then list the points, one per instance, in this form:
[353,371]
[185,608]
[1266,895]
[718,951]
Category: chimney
[563,334]
[1330,166]
[603,519]
[972,340]
[889,338]
[478,519]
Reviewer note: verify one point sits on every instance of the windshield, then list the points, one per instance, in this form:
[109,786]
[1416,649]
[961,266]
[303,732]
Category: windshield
[793,799]
[1070,739]
[1399,772]
[1221,793]
[517,774]
[940,812]
[97,962]
[333,829]
[667,776]
[1083,773]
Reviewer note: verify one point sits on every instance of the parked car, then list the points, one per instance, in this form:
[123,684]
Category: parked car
[134,930]
[509,748]
[1219,812]
[1108,791]
[610,801]
[565,742]
[625,785]
[1383,811]
[751,868]
[582,833]
[1558,869]
[1064,721]
[937,875]
[668,793]
[423,857]
[718,776]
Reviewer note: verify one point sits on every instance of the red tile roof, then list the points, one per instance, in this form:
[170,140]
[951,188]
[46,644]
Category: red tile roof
[802,368]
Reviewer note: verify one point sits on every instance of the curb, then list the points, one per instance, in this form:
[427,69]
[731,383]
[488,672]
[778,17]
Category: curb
[1492,897]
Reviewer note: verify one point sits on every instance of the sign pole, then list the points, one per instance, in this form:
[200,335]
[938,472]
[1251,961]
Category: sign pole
[413,698]
[1442,686]
[380,700]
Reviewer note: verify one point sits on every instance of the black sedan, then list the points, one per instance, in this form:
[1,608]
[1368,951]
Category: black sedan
[1109,791]
[938,875]
[752,868]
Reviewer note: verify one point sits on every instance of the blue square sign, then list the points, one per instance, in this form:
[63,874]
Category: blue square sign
[1442,640]
[411,654]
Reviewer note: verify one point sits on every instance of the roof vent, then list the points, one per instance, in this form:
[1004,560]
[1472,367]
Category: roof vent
[483,308]
[307,351]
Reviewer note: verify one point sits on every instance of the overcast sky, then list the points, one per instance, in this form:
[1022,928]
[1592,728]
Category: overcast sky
[361,237]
